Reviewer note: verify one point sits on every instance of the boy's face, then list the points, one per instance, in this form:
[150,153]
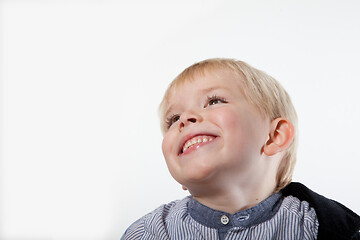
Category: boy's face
[214,134]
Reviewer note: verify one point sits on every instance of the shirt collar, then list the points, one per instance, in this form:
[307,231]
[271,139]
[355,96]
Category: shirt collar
[245,218]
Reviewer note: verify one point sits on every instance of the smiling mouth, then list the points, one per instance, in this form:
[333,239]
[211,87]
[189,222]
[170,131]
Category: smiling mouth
[196,141]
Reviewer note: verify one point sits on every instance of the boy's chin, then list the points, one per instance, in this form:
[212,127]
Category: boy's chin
[195,183]
[198,176]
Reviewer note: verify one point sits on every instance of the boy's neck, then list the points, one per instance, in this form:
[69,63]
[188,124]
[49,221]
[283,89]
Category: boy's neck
[232,199]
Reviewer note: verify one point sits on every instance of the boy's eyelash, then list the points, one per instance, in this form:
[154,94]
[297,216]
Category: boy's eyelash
[171,119]
[211,99]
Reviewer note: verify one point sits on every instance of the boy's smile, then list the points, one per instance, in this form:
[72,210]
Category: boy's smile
[195,142]
[213,132]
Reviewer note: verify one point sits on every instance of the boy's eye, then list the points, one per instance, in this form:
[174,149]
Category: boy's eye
[215,100]
[172,119]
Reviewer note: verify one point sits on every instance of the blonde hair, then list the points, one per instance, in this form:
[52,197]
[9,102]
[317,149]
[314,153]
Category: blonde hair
[260,89]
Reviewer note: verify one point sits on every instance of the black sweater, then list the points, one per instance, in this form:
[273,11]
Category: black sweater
[335,220]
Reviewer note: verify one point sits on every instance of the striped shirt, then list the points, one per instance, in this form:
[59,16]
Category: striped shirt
[274,218]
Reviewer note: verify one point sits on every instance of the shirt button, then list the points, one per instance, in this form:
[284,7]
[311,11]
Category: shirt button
[224,219]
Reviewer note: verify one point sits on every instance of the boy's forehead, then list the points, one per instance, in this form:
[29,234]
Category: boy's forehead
[211,79]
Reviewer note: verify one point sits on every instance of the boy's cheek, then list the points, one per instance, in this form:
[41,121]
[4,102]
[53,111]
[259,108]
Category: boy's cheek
[168,144]
[164,147]
[226,118]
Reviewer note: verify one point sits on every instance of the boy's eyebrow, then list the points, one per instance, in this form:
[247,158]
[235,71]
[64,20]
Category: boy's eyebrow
[167,111]
[206,90]
[202,91]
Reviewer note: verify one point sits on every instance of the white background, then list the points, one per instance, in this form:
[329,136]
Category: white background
[81,84]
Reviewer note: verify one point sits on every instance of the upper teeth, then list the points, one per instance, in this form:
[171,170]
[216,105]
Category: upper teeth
[196,140]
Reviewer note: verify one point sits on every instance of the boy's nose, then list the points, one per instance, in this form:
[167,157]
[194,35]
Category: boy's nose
[187,118]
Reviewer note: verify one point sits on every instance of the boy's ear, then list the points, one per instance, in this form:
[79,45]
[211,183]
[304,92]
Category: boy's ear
[280,137]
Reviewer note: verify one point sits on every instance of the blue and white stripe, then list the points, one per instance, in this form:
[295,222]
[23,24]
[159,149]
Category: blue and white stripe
[293,220]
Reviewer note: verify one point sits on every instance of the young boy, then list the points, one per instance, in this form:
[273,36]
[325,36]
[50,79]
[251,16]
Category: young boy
[230,137]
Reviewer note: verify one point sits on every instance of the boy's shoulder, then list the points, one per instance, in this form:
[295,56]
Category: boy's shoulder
[335,220]
[153,224]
